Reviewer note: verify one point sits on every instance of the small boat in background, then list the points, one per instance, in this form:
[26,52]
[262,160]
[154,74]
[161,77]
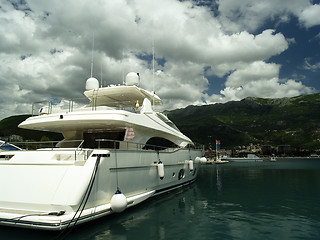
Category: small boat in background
[249,158]
[273,158]
[220,160]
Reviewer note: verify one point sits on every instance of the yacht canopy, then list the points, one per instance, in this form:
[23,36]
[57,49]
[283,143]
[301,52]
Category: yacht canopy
[120,95]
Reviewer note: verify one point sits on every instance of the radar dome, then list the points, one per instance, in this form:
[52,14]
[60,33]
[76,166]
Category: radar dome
[132,78]
[92,83]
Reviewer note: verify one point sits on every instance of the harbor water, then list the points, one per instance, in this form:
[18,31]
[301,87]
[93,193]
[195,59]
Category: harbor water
[259,200]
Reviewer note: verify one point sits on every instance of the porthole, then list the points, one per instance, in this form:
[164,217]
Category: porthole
[173,174]
[181,174]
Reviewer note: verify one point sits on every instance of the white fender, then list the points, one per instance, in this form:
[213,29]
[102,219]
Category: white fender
[118,202]
[161,170]
[191,165]
[203,160]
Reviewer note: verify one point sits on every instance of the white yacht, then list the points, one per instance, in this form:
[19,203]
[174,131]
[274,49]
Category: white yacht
[273,158]
[249,158]
[115,154]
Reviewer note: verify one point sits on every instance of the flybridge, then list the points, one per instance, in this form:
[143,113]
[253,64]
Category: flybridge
[125,97]
[127,94]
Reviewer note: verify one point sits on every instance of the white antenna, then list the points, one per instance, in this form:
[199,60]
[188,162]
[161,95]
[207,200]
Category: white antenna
[101,75]
[123,80]
[153,58]
[153,63]
[92,53]
[153,53]
[153,69]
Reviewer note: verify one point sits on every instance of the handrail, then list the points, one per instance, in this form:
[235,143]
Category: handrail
[142,146]
[138,146]
[48,144]
[114,144]
[49,107]
[53,146]
[83,153]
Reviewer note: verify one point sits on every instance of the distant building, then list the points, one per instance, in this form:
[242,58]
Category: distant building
[13,138]
[266,150]
[284,149]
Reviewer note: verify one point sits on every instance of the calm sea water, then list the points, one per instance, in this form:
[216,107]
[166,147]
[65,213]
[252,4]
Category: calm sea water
[265,200]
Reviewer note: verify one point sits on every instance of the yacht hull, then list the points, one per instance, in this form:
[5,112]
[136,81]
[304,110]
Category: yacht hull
[54,190]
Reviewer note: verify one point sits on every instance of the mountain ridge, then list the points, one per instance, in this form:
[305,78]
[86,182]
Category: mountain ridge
[283,121]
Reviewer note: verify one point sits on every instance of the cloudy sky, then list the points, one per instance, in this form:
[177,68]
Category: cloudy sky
[206,51]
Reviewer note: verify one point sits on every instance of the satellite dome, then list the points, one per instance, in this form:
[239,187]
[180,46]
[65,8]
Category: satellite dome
[132,79]
[92,83]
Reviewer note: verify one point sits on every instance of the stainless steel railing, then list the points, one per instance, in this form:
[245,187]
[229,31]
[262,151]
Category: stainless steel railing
[77,149]
[49,107]
[98,144]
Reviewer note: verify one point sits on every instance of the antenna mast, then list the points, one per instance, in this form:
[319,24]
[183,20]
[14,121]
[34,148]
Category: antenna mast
[122,64]
[153,69]
[92,53]
[101,75]
[153,54]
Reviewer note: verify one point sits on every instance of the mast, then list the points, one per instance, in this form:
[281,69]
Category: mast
[101,75]
[92,53]
[153,69]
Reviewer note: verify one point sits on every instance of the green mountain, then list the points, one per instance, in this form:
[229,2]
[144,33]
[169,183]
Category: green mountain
[285,121]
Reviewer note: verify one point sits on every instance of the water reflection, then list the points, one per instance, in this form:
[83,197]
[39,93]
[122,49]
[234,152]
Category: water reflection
[219,179]
[262,201]
[155,219]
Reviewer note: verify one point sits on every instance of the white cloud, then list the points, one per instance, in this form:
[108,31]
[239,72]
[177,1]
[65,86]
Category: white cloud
[260,79]
[234,50]
[45,48]
[252,14]
[310,16]
[256,71]
[267,88]
[179,84]
[312,67]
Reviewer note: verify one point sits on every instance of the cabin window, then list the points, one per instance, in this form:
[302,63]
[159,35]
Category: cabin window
[108,139]
[157,143]
[6,157]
